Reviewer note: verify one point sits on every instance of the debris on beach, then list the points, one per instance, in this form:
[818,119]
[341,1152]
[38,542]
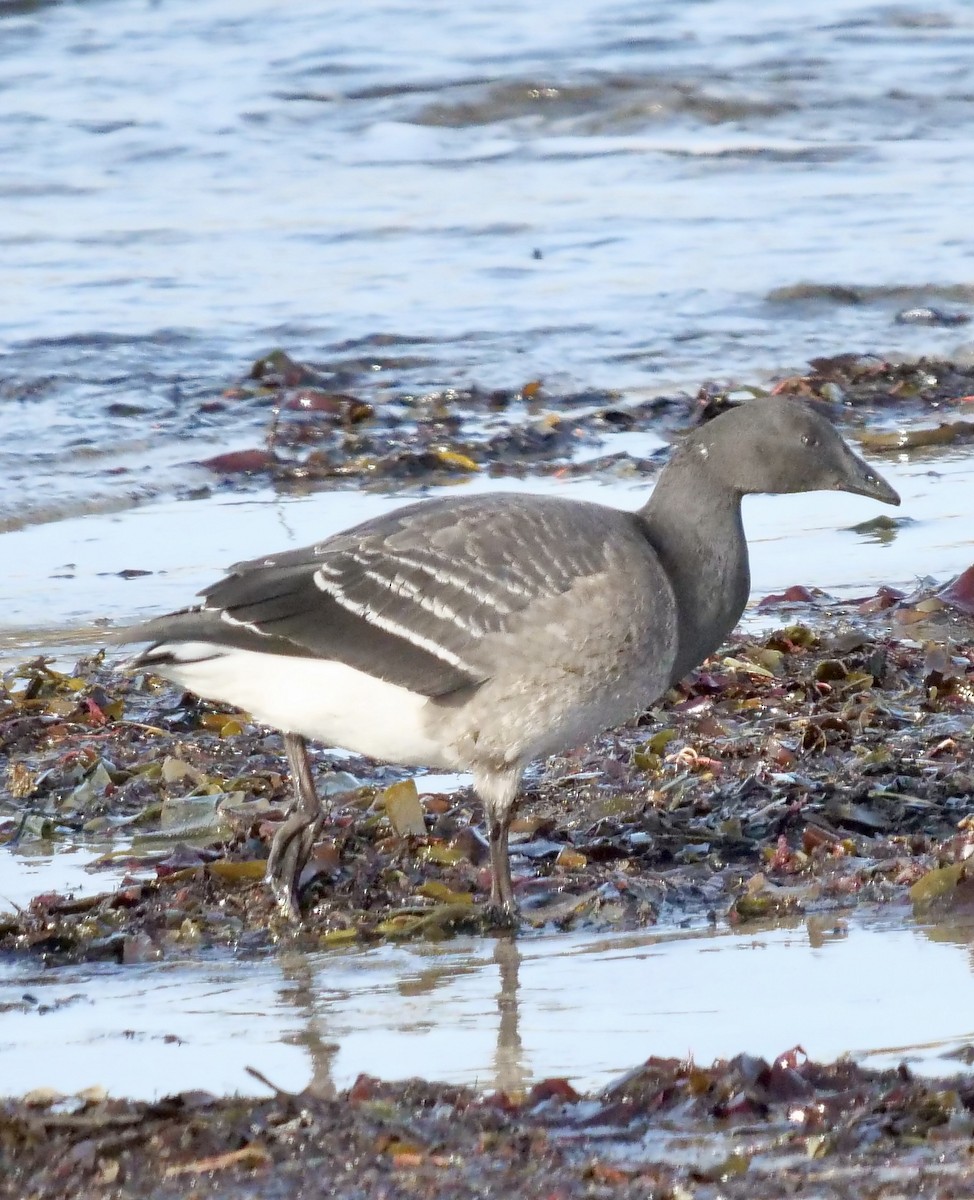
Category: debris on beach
[742,1129]
[827,763]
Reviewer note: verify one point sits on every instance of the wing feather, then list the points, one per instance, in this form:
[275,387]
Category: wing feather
[417,597]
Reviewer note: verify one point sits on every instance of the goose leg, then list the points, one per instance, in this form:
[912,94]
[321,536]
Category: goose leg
[499,793]
[503,906]
[292,844]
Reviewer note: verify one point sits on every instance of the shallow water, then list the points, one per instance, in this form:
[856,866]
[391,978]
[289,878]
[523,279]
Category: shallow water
[39,866]
[187,545]
[492,1013]
[639,197]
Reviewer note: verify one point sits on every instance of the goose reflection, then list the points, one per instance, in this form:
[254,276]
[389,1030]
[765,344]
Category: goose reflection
[309,985]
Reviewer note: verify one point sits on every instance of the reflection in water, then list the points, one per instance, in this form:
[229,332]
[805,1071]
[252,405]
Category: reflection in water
[302,993]
[824,928]
[492,1014]
[510,1073]
[594,1005]
[306,989]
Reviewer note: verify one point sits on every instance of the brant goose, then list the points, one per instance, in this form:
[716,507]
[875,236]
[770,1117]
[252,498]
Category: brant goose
[481,632]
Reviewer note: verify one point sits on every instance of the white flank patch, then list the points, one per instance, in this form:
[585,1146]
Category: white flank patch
[316,697]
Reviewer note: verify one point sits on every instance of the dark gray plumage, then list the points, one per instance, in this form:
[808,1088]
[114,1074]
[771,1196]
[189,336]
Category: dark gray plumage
[480,632]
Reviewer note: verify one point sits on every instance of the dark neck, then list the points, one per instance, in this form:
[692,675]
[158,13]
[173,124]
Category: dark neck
[693,521]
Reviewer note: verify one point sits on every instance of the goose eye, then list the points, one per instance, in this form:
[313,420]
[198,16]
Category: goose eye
[809,440]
